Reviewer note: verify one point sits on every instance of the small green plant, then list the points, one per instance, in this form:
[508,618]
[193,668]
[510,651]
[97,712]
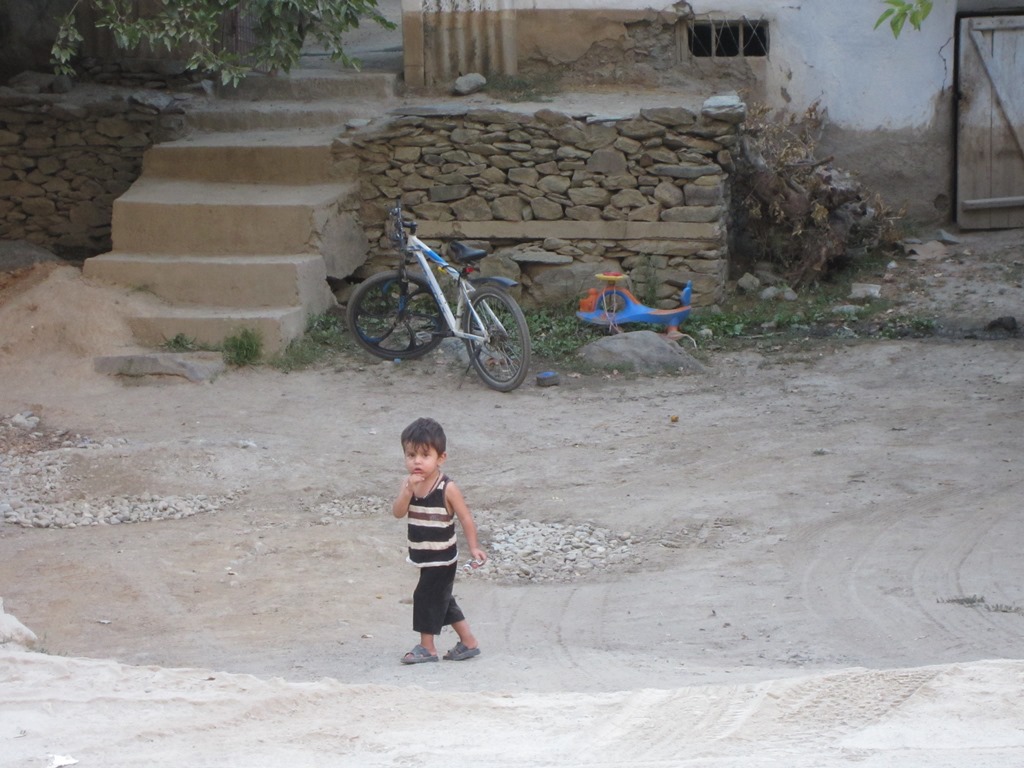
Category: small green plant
[181,343]
[906,326]
[280,29]
[324,336]
[557,334]
[243,348]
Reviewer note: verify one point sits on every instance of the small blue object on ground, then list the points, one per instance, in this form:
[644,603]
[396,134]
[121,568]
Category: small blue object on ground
[547,379]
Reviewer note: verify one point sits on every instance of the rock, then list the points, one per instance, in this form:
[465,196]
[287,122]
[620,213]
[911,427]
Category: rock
[17,254]
[629,198]
[640,351]
[557,286]
[468,84]
[668,194]
[508,208]
[445,193]
[473,208]
[727,107]
[13,631]
[32,82]
[847,310]
[684,171]
[1005,323]
[538,256]
[748,283]
[595,196]
[607,161]
[156,101]
[673,117]
[194,366]
[545,209]
[865,291]
[641,129]
[557,185]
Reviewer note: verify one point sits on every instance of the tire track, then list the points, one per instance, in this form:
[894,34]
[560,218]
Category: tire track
[879,600]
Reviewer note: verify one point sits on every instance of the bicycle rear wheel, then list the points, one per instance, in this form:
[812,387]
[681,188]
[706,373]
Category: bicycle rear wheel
[395,317]
[503,360]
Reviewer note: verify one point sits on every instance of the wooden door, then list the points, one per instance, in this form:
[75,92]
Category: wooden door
[990,132]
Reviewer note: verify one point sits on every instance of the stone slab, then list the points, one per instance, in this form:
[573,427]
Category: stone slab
[710,232]
[194,366]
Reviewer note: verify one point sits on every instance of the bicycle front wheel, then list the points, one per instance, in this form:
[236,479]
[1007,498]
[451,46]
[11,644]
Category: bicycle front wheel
[502,359]
[395,317]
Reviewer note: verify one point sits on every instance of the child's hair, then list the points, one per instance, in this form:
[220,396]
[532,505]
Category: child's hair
[425,433]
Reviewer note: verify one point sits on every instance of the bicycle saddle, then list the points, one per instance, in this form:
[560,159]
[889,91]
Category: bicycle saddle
[463,254]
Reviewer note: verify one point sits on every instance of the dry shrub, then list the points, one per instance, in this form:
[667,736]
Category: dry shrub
[804,216]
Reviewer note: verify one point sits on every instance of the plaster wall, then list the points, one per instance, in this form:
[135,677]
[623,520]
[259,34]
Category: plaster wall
[887,103]
[821,51]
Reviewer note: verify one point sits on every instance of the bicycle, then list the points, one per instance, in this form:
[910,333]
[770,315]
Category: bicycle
[402,315]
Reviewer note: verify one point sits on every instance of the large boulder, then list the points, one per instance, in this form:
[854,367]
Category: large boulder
[642,352]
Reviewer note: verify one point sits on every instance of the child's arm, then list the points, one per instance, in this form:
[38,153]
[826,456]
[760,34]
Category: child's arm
[400,507]
[456,503]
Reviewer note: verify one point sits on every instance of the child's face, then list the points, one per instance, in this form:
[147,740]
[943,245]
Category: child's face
[422,460]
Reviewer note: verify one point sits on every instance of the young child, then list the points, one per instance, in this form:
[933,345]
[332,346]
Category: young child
[432,502]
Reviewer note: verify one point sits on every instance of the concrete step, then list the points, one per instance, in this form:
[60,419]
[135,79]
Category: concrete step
[177,216]
[308,84]
[210,326]
[227,281]
[232,116]
[258,157]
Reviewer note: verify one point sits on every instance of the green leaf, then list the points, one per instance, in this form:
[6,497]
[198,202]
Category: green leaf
[883,17]
[281,27]
[897,24]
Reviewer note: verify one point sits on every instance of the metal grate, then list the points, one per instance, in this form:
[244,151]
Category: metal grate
[727,39]
[238,31]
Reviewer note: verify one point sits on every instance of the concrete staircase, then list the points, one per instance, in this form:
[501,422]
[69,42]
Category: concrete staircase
[239,225]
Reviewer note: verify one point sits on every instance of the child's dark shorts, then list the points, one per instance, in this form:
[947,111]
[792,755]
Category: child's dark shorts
[433,605]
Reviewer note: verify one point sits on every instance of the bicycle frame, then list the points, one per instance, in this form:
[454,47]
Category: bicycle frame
[429,260]
[398,313]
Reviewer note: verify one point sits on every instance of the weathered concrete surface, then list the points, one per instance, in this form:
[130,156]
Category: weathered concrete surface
[194,366]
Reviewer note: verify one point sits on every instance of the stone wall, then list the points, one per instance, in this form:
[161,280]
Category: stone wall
[64,158]
[557,199]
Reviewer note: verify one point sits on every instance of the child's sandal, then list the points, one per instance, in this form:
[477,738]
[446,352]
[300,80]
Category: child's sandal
[460,652]
[418,655]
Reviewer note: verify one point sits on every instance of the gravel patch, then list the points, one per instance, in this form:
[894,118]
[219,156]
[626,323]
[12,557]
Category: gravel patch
[519,551]
[34,491]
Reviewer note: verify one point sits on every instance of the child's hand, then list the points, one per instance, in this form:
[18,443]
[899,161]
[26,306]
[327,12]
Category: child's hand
[478,554]
[415,484]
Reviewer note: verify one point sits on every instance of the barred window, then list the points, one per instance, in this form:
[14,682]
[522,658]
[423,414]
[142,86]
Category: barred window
[727,39]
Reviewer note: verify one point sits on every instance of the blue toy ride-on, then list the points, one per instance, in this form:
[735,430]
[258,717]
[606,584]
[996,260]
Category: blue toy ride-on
[612,304]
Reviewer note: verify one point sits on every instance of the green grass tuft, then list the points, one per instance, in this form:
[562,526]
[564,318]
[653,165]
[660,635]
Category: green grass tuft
[181,343]
[325,335]
[243,348]
[556,335]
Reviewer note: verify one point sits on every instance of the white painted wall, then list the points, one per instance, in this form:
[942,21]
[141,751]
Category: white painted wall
[827,52]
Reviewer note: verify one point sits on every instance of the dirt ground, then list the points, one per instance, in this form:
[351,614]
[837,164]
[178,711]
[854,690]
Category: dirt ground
[816,530]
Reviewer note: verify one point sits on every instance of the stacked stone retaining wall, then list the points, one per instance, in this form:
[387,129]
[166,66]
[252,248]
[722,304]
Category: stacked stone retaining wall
[64,158]
[558,199]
